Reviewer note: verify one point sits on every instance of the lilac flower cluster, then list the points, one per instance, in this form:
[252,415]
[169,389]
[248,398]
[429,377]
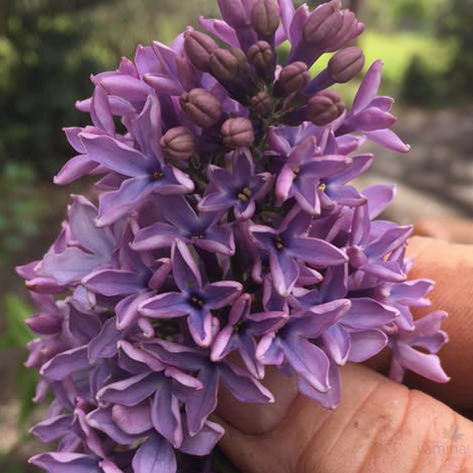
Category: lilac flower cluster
[227,238]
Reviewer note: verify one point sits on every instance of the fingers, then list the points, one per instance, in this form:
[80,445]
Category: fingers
[451,266]
[379,427]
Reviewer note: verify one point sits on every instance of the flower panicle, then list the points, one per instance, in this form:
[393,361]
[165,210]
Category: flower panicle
[227,236]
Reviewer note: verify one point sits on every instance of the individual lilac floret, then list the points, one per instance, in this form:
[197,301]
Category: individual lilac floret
[225,233]
[426,335]
[196,300]
[289,244]
[241,331]
[239,190]
[301,177]
[371,114]
[183,222]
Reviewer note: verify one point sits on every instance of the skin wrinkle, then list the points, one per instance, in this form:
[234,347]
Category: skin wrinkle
[397,429]
[334,442]
[450,443]
[404,418]
[300,455]
[356,412]
[418,461]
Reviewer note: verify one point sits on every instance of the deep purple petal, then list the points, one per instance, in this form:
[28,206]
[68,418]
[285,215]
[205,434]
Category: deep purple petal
[308,360]
[65,462]
[131,391]
[115,155]
[285,272]
[113,282]
[317,252]
[158,235]
[243,386]
[116,204]
[185,270]
[165,306]
[155,456]
[52,428]
[204,441]
[105,344]
[203,402]
[220,294]
[66,363]
[165,413]
[134,420]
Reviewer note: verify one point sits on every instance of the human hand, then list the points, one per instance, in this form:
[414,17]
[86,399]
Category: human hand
[380,426]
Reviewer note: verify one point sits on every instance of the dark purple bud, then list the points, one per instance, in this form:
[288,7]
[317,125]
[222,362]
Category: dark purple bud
[261,55]
[325,107]
[261,103]
[293,78]
[322,22]
[202,107]
[234,12]
[238,132]
[45,324]
[346,64]
[178,143]
[226,64]
[199,48]
[188,74]
[265,18]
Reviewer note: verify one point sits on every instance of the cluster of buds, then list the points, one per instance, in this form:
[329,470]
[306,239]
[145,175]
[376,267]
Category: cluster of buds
[227,237]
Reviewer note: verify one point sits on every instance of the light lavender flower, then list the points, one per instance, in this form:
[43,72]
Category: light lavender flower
[227,227]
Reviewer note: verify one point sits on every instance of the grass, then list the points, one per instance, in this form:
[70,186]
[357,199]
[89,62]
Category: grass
[396,49]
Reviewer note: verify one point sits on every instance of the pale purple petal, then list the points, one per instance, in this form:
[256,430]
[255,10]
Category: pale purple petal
[365,345]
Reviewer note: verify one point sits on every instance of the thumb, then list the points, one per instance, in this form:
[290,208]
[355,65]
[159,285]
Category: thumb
[380,426]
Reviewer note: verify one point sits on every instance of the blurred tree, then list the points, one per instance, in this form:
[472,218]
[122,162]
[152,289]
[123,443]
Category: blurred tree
[422,86]
[456,23]
[44,69]
[49,48]
[358,6]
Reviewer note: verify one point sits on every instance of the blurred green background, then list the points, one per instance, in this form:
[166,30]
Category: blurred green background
[48,49]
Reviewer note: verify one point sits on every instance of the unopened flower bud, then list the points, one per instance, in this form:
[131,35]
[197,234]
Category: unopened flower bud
[178,143]
[293,78]
[238,132]
[199,48]
[265,18]
[261,55]
[325,107]
[44,324]
[226,64]
[356,257]
[202,107]
[346,64]
[261,102]
[322,22]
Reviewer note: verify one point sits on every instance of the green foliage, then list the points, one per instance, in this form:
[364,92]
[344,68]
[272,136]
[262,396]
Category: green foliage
[413,15]
[16,335]
[456,24]
[44,70]
[422,85]
[21,208]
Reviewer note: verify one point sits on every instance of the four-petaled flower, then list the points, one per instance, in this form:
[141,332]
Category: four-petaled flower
[195,299]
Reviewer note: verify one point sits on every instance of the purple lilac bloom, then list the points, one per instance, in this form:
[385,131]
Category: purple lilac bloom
[226,235]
